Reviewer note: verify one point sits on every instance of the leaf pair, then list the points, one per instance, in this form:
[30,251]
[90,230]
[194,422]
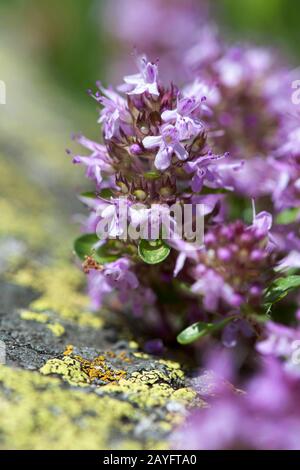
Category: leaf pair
[151,252]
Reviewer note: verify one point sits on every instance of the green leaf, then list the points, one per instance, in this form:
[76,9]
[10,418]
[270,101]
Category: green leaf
[288,216]
[153,252]
[280,288]
[194,332]
[86,245]
[200,329]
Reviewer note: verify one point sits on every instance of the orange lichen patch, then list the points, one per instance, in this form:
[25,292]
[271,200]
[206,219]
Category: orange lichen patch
[111,354]
[98,368]
[123,357]
[78,371]
[69,349]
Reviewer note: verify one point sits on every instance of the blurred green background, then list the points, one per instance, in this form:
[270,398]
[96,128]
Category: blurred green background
[66,38]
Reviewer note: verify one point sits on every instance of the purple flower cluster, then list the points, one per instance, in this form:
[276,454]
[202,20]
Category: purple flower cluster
[252,104]
[156,152]
[227,139]
[234,265]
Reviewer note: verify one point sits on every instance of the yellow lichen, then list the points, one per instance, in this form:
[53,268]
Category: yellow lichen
[156,375]
[185,395]
[56,328]
[141,355]
[149,389]
[69,369]
[60,286]
[170,364]
[149,395]
[34,316]
[46,416]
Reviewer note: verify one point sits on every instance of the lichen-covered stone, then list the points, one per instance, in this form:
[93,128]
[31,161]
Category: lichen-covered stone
[37,413]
